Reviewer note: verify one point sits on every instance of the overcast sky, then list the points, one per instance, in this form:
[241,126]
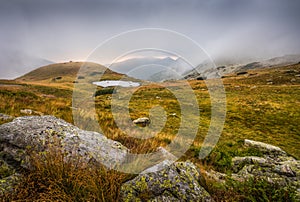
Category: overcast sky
[63,30]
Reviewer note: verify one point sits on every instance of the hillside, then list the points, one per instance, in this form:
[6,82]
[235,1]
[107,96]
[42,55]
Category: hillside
[65,74]
[207,70]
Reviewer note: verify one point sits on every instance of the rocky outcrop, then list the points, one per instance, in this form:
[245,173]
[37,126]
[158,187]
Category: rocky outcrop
[177,182]
[163,182]
[275,166]
[38,132]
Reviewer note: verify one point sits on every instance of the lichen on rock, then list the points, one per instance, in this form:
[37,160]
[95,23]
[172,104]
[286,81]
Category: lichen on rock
[177,182]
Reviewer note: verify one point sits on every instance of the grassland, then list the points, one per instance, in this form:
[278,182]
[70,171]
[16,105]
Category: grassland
[262,105]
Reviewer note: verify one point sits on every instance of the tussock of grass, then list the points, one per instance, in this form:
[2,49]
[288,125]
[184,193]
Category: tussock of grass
[56,177]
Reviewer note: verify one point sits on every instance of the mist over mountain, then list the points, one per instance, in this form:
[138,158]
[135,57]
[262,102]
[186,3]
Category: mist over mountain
[229,30]
[16,63]
[152,68]
[207,70]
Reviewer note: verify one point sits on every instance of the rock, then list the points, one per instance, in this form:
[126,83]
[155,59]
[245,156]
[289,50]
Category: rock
[240,162]
[221,67]
[30,112]
[26,111]
[275,166]
[57,78]
[177,182]
[265,148]
[144,121]
[290,71]
[160,166]
[215,176]
[297,75]
[38,132]
[5,117]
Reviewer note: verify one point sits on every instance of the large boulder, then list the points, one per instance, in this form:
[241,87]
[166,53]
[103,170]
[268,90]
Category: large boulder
[38,132]
[177,182]
[275,166]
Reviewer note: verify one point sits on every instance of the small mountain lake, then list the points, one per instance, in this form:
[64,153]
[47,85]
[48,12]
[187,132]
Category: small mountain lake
[113,83]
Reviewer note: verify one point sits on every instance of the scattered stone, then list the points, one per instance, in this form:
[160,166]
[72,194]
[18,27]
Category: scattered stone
[144,121]
[297,75]
[290,71]
[177,182]
[57,78]
[270,83]
[31,112]
[26,111]
[173,114]
[221,67]
[215,176]
[5,117]
[293,80]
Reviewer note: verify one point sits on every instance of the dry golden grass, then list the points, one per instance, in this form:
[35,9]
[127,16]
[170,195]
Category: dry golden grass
[57,177]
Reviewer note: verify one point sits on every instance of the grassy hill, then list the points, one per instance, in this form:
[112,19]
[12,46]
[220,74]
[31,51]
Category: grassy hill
[63,75]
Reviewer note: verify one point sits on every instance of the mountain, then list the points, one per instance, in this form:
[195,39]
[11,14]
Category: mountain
[65,74]
[152,68]
[16,63]
[276,61]
[207,70]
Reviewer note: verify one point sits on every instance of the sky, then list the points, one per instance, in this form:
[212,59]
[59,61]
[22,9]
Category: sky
[63,30]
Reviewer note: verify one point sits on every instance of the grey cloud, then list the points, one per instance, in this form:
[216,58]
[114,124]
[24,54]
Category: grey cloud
[62,30]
